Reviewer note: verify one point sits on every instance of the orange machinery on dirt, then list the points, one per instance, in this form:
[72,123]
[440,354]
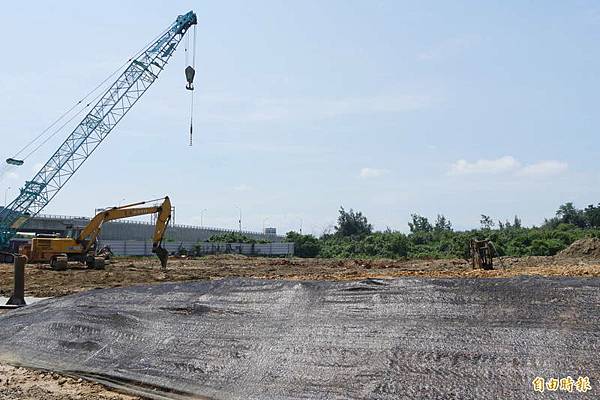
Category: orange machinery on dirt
[82,247]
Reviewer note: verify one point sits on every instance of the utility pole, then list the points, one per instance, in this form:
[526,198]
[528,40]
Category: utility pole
[264,220]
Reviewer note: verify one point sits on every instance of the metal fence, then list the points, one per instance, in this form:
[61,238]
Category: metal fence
[144,248]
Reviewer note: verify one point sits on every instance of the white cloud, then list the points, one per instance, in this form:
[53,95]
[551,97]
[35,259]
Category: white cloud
[499,165]
[242,188]
[372,172]
[544,168]
[508,164]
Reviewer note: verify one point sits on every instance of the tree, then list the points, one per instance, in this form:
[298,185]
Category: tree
[592,216]
[386,244]
[486,222]
[517,222]
[419,224]
[442,224]
[568,214]
[233,237]
[304,245]
[351,223]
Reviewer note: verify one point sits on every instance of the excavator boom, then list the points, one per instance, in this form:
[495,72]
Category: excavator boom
[59,250]
[90,233]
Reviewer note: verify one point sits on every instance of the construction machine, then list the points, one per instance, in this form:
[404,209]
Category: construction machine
[482,254]
[82,246]
[104,113]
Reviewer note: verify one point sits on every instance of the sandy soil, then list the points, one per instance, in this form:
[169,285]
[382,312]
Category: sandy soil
[27,384]
[43,282]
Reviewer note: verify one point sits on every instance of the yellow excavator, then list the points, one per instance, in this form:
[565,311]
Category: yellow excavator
[58,251]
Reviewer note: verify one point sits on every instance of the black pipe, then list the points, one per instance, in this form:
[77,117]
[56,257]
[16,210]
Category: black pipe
[18,297]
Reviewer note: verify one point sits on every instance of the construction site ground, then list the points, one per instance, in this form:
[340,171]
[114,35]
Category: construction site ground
[41,281]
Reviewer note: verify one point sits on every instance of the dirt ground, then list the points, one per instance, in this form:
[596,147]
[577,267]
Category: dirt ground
[26,384]
[41,281]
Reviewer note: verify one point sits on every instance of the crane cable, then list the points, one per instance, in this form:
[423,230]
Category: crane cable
[192,106]
[190,85]
[6,168]
[63,115]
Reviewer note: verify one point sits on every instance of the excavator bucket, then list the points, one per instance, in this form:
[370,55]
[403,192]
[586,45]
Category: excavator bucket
[163,256]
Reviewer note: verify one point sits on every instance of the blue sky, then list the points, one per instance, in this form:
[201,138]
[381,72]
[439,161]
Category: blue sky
[388,107]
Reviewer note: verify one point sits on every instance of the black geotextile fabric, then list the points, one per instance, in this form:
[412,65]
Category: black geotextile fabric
[255,339]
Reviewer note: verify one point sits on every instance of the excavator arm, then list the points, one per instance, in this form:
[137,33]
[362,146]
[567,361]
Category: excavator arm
[162,222]
[90,233]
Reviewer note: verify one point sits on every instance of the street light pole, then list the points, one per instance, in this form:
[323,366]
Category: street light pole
[5,193]
[240,220]
[264,220]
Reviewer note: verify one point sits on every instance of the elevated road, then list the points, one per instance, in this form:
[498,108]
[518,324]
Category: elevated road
[132,230]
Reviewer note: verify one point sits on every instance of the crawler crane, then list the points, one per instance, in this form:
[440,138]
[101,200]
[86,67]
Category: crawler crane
[139,74]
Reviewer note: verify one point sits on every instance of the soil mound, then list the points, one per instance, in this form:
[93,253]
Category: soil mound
[585,248]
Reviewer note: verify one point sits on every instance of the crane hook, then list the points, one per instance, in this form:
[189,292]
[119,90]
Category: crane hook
[190,72]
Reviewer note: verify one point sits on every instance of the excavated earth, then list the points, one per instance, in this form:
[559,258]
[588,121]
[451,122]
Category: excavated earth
[584,248]
[301,334]
[41,281]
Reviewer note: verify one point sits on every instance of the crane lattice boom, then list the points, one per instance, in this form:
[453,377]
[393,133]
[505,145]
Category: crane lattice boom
[93,129]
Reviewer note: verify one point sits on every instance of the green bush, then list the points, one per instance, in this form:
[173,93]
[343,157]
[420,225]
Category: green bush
[354,237]
[304,245]
[233,237]
[515,242]
[546,247]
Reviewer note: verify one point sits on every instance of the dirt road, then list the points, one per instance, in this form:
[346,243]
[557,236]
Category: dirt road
[43,282]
